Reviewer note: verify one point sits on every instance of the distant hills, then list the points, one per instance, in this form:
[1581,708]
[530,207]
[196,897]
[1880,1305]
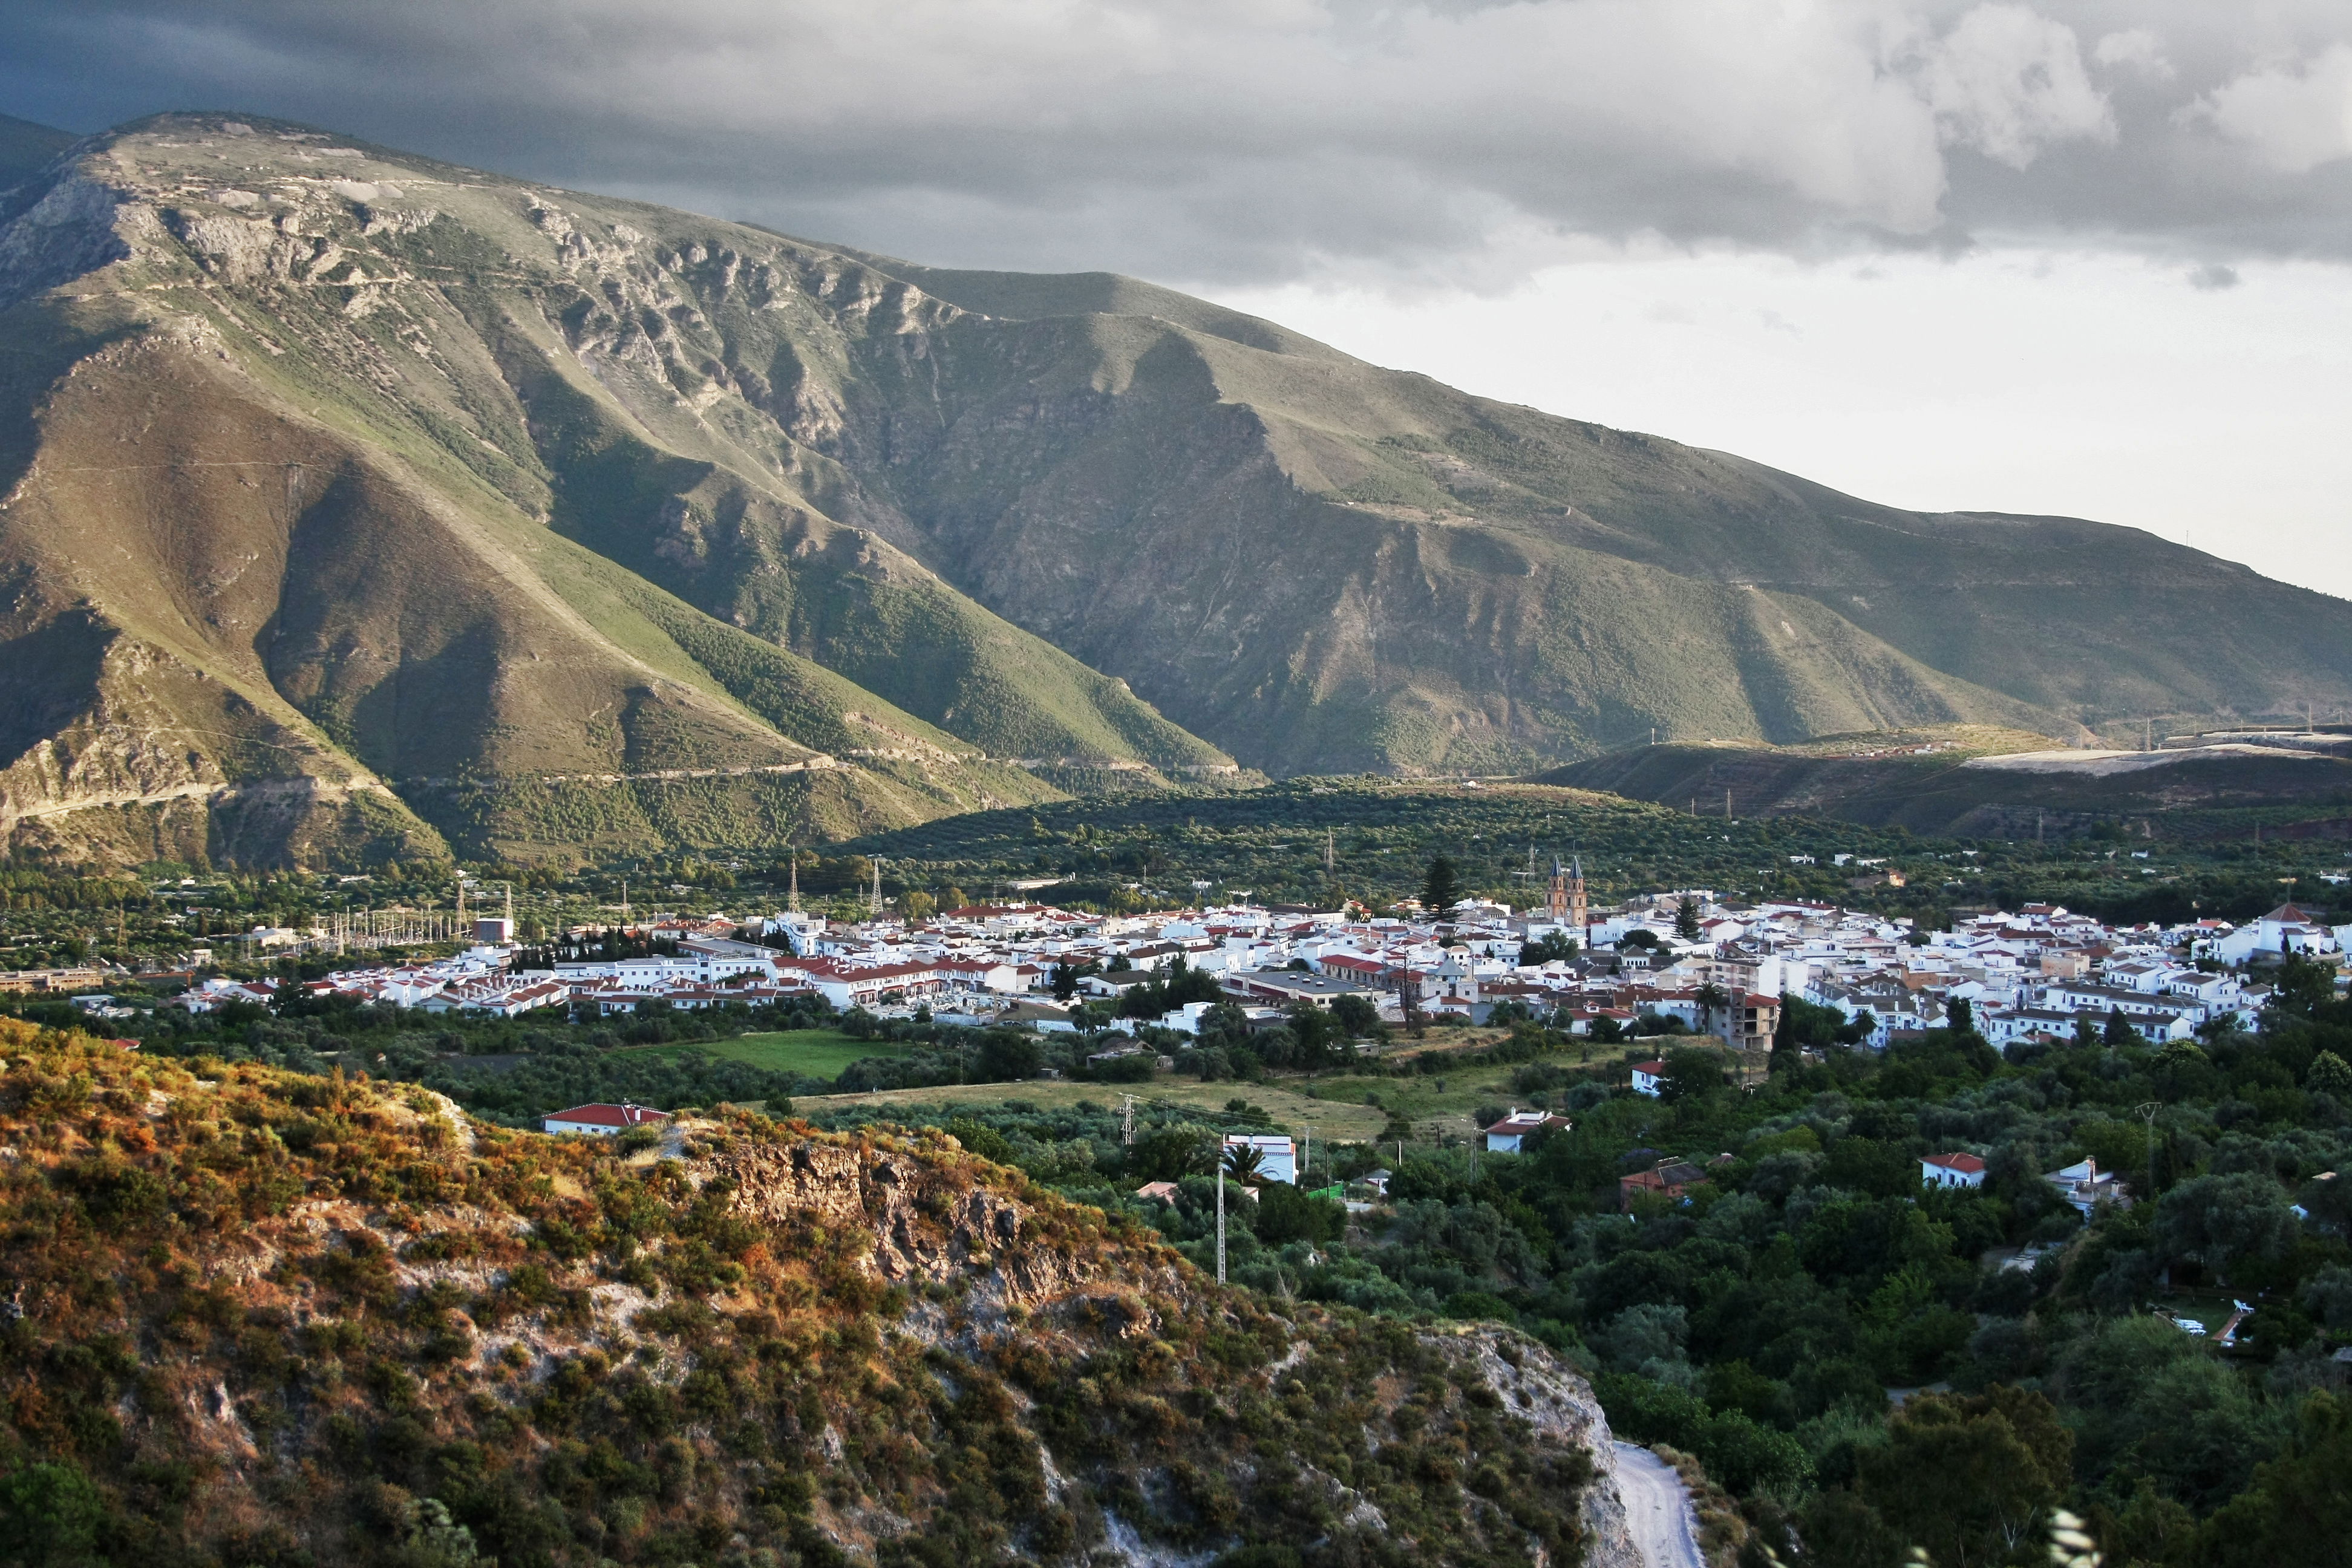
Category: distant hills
[361,504]
[1968,782]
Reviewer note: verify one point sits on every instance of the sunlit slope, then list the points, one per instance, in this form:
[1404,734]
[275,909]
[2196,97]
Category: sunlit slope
[281,532]
[262,612]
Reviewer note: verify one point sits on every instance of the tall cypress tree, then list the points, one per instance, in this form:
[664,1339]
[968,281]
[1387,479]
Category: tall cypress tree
[1441,887]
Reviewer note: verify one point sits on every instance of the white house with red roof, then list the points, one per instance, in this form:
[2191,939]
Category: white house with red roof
[604,1121]
[1510,1132]
[1647,1075]
[1952,1169]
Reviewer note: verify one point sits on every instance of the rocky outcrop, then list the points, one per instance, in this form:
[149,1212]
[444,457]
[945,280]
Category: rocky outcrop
[1561,1407]
[72,229]
[928,1222]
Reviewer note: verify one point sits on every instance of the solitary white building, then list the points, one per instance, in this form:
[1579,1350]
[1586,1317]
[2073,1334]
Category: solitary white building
[1509,1134]
[1952,1169]
[603,1121]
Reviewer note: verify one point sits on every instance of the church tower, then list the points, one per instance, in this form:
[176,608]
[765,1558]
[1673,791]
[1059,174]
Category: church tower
[1579,908]
[1556,900]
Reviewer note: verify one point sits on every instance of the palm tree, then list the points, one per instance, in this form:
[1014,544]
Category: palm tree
[1709,997]
[1243,1162]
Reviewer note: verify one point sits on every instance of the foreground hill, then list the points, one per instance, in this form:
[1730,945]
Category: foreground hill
[1960,781]
[258,1318]
[333,527]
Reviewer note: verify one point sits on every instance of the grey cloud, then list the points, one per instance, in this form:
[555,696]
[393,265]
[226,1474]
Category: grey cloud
[2213,275]
[1250,141]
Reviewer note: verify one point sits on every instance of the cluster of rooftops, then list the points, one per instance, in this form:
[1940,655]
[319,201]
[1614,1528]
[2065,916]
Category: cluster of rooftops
[1710,964]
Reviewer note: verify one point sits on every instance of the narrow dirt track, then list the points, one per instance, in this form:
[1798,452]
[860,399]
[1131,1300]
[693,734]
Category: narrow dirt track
[1658,1508]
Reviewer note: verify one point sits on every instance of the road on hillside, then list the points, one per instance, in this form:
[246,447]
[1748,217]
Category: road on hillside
[1658,1508]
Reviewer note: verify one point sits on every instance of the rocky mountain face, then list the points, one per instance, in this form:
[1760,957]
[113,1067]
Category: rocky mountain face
[447,505]
[261,1318]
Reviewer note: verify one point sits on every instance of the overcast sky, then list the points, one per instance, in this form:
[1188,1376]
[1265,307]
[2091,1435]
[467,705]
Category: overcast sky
[2071,256]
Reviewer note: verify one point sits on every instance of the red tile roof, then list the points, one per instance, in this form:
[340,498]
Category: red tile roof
[608,1115]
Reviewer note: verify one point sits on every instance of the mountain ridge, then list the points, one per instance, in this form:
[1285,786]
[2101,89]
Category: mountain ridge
[551,468]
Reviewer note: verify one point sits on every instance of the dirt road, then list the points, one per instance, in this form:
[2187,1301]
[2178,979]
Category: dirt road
[1658,1508]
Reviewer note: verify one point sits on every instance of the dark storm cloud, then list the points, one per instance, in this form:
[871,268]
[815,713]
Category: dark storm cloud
[1254,139]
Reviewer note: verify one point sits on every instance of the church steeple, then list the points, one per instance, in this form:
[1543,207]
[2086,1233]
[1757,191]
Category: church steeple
[1579,908]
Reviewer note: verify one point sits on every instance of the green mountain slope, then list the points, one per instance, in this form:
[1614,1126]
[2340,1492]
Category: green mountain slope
[1336,565]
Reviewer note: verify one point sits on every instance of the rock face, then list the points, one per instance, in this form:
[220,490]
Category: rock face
[926,1226]
[1560,1407]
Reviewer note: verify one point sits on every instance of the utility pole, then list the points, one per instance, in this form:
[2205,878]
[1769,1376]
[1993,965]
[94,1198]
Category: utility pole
[1307,1161]
[1329,847]
[1220,1208]
[874,898]
[1127,1119]
[792,898]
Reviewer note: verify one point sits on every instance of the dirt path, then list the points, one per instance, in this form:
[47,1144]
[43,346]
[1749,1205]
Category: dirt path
[1658,1508]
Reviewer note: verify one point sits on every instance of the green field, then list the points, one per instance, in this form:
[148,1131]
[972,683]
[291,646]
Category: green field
[1339,1105]
[1290,1109]
[811,1052]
